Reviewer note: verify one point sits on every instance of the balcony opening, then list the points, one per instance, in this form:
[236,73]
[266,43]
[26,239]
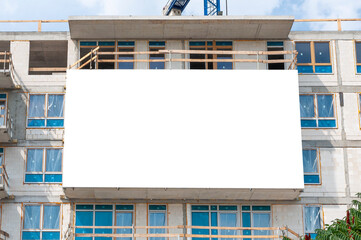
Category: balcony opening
[4,48]
[272,47]
[48,57]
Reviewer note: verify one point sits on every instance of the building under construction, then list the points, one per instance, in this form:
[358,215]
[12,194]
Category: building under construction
[178,127]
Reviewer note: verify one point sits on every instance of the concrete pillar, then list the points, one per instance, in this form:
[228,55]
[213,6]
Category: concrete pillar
[175,45]
[141,46]
[20,51]
[73,51]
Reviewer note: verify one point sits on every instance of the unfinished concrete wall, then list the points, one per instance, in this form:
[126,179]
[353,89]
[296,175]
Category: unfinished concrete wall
[250,46]
[332,212]
[288,215]
[332,175]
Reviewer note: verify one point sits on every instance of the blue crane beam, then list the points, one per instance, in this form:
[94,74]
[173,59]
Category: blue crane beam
[211,7]
[177,4]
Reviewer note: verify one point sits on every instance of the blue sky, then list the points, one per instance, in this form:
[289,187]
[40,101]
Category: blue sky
[61,9]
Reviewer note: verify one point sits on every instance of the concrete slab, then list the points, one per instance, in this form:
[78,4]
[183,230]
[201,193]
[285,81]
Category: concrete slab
[6,80]
[181,193]
[180,27]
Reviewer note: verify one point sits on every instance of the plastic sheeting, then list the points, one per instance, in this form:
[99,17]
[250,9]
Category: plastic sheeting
[312,219]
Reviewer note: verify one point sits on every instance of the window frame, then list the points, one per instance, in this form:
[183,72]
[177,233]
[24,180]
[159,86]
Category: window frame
[43,172]
[304,217]
[41,219]
[114,212]
[313,58]
[357,64]
[5,108]
[158,211]
[251,211]
[239,212]
[318,155]
[316,117]
[132,47]
[46,110]
[210,48]
[156,48]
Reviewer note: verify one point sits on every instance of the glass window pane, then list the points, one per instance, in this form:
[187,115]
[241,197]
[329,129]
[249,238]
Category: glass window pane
[84,218]
[36,123]
[32,217]
[358,52]
[311,179]
[307,107]
[325,105]
[103,219]
[312,219]
[53,178]
[200,219]
[33,178]
[322,52]
[51,217]
[37,106]
[304,52]
[34,160]
[55,105]
[228,220]
[157,219]
[261,220]
[53,160]
[246,222]
[51,236]
[323,69]
[326,123]
[308,123]
[31,235]
[305,69]
[124,219]
[310,161]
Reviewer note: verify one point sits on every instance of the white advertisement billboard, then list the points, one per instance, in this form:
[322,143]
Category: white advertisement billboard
[182,129]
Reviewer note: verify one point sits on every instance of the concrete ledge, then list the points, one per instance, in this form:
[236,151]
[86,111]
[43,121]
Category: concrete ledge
[180,27]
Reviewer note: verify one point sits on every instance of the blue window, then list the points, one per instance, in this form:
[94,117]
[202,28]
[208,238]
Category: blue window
[311,167]
[256,216]
[313,57]
[3,109]
[157,215]
[317,111]
[126,47]
[106,215]
[312,220]
[358,57]
[46,111]
[41,222]
[209,46]
[44,165]
[215,216]
[157,59]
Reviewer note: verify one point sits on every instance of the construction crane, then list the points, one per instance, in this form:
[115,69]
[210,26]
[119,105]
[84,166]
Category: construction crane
[176,7]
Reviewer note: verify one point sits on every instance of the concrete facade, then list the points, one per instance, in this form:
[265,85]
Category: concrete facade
[339,148]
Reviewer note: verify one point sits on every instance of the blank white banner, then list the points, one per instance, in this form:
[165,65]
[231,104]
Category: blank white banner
[182,129]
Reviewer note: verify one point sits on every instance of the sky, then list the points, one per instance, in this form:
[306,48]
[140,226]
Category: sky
[61,9]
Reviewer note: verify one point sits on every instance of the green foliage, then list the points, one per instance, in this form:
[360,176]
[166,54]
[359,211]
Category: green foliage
[346,228]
